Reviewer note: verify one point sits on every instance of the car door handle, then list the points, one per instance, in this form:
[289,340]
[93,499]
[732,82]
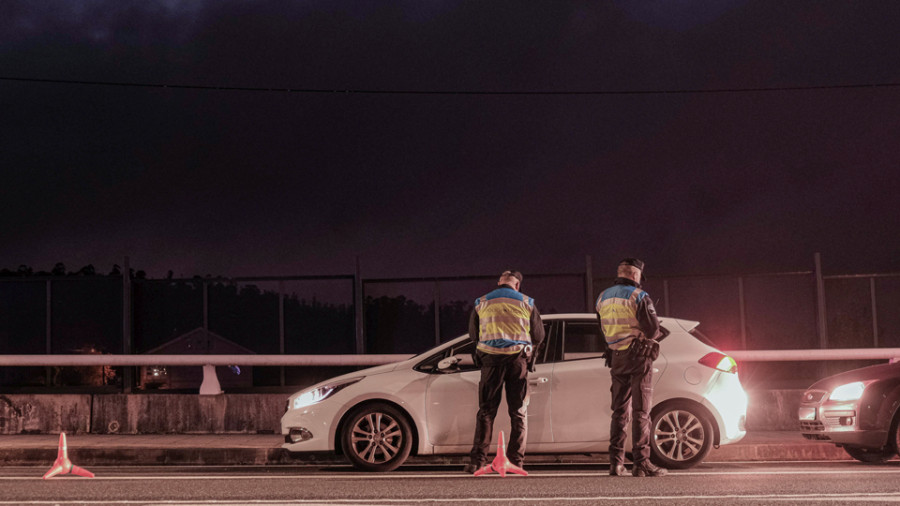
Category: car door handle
[538,381]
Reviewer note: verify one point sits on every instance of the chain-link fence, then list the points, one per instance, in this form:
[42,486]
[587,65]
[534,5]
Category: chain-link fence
[348,314]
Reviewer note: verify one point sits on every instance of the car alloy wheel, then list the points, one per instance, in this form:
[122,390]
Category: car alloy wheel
[681,436]
[377,437]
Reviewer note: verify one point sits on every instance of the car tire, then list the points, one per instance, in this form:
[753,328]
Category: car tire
[376,437]
[871,455]
[681,435]
[895,433]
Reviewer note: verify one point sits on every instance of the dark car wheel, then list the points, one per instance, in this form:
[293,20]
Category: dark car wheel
[377,437]
[681,435]
[895,433]
[869,455]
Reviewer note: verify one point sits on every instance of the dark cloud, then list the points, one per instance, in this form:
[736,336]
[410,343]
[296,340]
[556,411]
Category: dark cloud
[254,182]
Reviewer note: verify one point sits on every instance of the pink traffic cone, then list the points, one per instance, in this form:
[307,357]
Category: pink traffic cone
[501,464]
[63,465]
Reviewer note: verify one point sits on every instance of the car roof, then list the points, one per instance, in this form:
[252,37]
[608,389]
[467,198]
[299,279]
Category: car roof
[687,325]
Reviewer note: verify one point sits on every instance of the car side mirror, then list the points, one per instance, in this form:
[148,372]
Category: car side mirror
[448,363]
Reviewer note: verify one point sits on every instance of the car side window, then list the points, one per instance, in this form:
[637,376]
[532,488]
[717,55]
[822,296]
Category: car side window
[547,351]
[464,361]
[452,360]
[582,340]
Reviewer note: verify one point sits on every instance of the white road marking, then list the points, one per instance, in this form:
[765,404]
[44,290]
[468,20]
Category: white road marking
[445,476]
[847,497]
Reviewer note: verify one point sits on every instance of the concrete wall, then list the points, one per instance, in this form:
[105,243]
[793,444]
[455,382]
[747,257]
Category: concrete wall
[238,413]
[44,414]
[773,409]
[141,413]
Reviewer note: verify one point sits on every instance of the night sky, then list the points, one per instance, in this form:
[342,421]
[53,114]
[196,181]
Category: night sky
[464,137]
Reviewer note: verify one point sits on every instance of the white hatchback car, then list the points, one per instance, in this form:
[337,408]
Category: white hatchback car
[377,417]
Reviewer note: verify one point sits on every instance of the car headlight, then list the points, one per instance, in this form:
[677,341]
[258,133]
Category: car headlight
[849,392]
[321,393]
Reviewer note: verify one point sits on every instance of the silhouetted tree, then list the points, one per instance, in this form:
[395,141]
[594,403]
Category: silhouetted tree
[87,270]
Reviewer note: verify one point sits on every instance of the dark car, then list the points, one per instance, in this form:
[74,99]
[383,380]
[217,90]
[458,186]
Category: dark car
[856,410]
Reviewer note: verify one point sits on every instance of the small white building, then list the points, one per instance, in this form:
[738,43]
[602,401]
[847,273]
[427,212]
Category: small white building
[196,342]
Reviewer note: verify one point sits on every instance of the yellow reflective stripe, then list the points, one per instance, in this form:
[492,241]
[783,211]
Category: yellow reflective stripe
[504,307]
[511,350]
[616,330]
[502,320]
[619,321]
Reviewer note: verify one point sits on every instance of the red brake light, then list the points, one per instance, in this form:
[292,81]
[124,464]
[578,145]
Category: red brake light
[719,361]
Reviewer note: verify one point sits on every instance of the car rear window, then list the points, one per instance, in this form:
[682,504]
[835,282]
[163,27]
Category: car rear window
[702,337]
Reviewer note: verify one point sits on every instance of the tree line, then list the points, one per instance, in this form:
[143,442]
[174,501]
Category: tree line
[59,270]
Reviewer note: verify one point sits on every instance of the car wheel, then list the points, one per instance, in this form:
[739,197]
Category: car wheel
[870,455]
[895,433]
[377,437]
[681,435]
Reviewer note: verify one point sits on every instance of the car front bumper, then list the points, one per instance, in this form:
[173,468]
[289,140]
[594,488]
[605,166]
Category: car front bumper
[306,430]
[837,422]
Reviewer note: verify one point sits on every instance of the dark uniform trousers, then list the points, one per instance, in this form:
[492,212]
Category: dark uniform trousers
[496,371]
[632,386]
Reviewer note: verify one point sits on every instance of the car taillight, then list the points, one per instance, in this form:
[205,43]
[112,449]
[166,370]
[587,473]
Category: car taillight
[719,361]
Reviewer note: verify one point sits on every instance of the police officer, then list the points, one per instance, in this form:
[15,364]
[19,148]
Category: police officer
[628,321]
[507,328]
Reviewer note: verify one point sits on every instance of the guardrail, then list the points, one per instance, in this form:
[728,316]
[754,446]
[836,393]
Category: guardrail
[210,385]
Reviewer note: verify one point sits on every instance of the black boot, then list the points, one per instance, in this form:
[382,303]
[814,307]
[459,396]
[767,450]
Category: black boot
[471,467]
[617,470]
[645,468]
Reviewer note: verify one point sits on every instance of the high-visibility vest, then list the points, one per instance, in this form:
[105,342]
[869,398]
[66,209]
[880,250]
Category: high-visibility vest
[617,307]
[504,318]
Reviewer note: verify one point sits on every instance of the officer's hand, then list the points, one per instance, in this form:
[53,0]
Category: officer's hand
[476,359]
[607,358]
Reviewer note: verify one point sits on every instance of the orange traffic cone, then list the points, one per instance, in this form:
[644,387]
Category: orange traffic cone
[501,464]
[63,465]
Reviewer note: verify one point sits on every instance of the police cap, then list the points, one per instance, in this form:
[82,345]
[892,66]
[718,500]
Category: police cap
[634,262]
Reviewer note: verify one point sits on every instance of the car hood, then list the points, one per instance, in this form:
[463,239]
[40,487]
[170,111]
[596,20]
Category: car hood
[874,372]
[371,371]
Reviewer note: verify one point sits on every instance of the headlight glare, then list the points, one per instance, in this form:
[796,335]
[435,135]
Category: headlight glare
[321,393]
[849,392]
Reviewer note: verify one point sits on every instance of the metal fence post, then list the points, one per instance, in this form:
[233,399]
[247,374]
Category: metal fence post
[874,312]
[588,284]
[666,297]
[822,322]
[127,377]
[437,313]
[281,326]
[205,286]
[358,309]
[743,310]
[49,328]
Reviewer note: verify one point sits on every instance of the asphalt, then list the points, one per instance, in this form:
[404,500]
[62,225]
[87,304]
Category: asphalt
[265,449]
